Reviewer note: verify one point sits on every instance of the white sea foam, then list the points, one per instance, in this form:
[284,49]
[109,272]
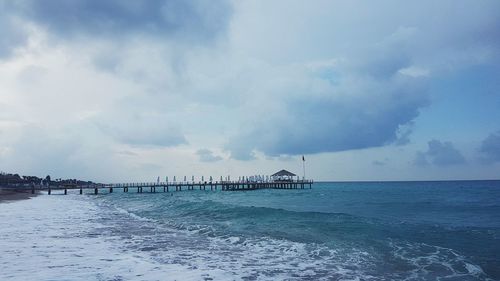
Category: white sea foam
[474,269]
[434,262]
[123,211]
[51,238]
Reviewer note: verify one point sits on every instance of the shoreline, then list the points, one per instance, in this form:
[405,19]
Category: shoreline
[12,194]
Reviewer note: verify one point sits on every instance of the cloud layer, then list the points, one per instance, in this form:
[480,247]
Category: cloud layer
[439,154]
[354,112]
[190,20]
[370,82]
[168,78]
[207,155]
[490,148]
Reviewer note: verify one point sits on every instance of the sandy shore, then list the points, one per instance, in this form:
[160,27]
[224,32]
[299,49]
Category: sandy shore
[9,194]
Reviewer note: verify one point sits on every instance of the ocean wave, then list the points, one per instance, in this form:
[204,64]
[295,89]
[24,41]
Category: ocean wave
[267,257]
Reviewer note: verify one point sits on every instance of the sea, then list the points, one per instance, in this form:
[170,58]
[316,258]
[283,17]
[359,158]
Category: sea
[446,230]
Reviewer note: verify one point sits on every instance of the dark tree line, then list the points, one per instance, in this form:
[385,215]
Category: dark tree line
[17,180]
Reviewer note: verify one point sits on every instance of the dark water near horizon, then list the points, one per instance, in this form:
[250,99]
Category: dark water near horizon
[335,231]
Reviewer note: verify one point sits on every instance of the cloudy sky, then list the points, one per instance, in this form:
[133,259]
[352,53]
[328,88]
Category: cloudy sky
[366,90]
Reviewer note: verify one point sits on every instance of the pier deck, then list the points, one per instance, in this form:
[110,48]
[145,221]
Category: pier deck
[177,186]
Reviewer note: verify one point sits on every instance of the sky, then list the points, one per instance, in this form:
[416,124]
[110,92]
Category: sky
[117,91]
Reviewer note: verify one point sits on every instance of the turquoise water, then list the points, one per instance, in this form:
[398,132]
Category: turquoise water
[368,231]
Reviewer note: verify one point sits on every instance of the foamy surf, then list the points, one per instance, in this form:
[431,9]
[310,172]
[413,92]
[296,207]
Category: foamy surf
[60,238]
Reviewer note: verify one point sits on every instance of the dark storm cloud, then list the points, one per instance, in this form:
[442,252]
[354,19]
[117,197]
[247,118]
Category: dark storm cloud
[114,17]
[11,34]
[490,148]
[194,21]
[373,118]
[440,154]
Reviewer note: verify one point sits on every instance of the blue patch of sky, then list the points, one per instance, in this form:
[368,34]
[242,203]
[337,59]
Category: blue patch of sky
[330,75]
[464,105]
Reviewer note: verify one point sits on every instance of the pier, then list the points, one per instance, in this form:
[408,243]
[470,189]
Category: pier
[280,180]
[153,187]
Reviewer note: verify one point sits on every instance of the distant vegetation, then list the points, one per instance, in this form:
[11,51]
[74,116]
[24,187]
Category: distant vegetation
[15,180]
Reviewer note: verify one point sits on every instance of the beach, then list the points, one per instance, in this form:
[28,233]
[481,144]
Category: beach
[10,194]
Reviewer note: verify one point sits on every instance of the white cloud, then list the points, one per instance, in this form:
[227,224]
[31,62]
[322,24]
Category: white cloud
[414,71]
[440,154]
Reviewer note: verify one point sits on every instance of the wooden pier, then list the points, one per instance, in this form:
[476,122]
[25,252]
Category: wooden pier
[176,186]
